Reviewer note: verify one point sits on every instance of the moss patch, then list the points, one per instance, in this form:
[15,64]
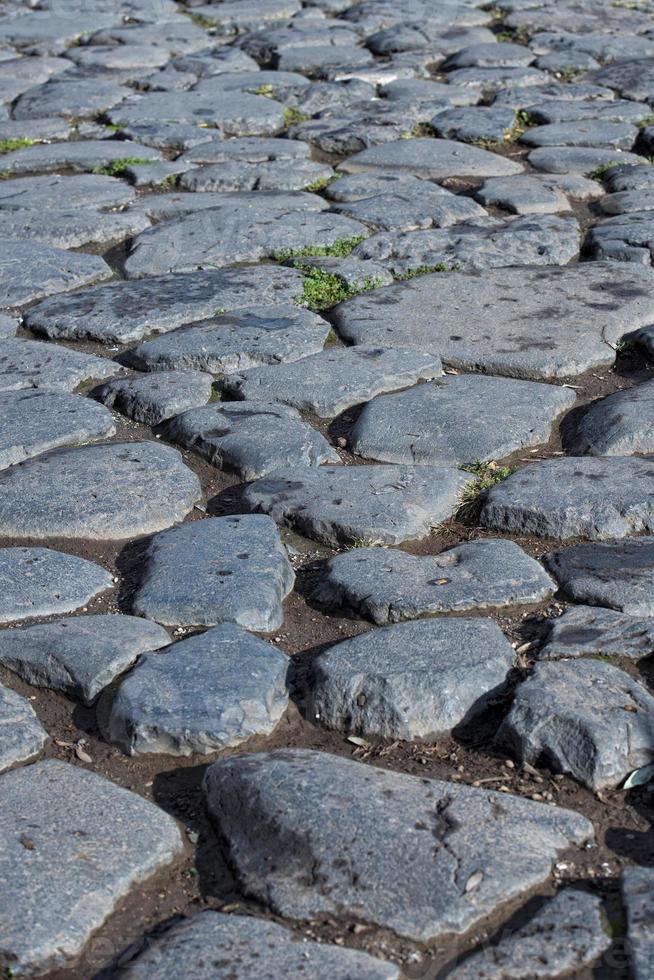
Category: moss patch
[340,249]
[117,168]
[8,146]
[322,290]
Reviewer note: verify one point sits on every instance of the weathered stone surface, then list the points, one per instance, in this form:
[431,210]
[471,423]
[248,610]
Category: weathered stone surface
[32,364]
[589,132]
[588,631]
[71,228]
[205,693]
[75,155]
[388,586]
[618,425]
[79,655]
[617,574]
[637,891]
[335,379]
[371,504]
[583,496]
[583,717]
[431,158]
[233,113]
[69,856]
[458,419]
[8,326]
[413,680]
[176,204]
[247,149]
[523,195]
[72,96]
[251,438]
[524,322]
[239,175]
[31,270]
[54,191]
[214,946]
[475,123]
[624,237]
[22,735]
[220,570]
[154,398]
[393,875]
[407,208]
[578,159]
[103,492]
[41,582]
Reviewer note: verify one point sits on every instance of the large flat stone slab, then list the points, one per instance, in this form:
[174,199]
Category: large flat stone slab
[434,159]
[90,191]
[33,364]
[79,655]
[156,397]
[584,496]
[31,270]
[205,693]
[104,492]
[72,227]
[618,425]
[617,574]
[75,155]
[389,586]
[637,891]
[57,856]
[407,847]
[219,570]
[341,505]
[585,631]
[22,735]
[40,582]
[524,322]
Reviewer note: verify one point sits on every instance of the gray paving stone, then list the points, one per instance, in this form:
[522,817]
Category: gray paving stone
[72,95]
[523,195]
[22,735]
[426,206]
[206,693]
[494,79]
[8,326]
[248,149]
[637,890]
[431,158]
[522,97]
[41,582]
[335,379]
[389,586]
[33,364]
[587,132]
[412,680]
[219,570]
[587,631]
[617,574]
[54,191]
[631,79]
[176,204]
[128,311]
[32,270]
[618,425]
[475,123]
[458,419]
[579,160]
[625,237]
[393,875]
[627,202]
[427,90]
[57,856]
[571,110]
[274,175]
[583,717]
[214,946]
[252,439]
[103,492]
[566,934]
[156,397]
[357,504]
[233,113]
[78,156]
[72,228]
[498,54]
[455,315]
[79,655]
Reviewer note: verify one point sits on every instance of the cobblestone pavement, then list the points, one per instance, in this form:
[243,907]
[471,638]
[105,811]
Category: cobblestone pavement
[326,489]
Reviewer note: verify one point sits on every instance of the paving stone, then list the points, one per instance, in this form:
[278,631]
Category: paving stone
[431,158]
[522,97]
[129,311]
[589,132]
[498,54]
[219,570]
[579,159]
[475,123]
[233,113]
[583,717]
[214,946]
[389,586]
[627,202]
[618,425]
[458,419]
[335,379]
[426,206]
[156,397]
[587,631]
[275,175]
[72,228]
[625,237]
[427,90]
[637,893]
[175,34]
[8,326]
[33,364]
[41,582]
[206,693]
[392,876]
[248,149]
[175,204]
[102,492]
[22,735]
[631,79]
[523,195]
[78,156]
[79,655]
[617,574]
[357,504]
[252,439]
[54,191]
[57,856]
[571,110]
[72,95]
[32,270]
[566,934]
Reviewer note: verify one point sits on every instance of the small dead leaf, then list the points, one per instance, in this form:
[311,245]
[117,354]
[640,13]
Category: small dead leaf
[27,842]
[442,581]
[474,881]
[355,740]
[631,707]
[82,755]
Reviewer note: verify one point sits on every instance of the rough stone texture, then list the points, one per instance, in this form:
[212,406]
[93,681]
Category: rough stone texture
[157,397]
[412,680]
[388,586]
[587,631]
[214,946]
[71,228]
[617,574]
[269,175]
[79,655]
[203,694]
[41,582]
[74,155]
[409,208]
[31,270]
[637,896]
[578,160]
[220,570]
[33,364]
[618,425]
[589,132]
[22,735]
[251,438]
[583,496]
[103,492]
[431,158]
[91,191]
[327,383]
[583,717]
[524,195]
[8,326]
[389,871]
[624,238]
[112,842]
[361,504]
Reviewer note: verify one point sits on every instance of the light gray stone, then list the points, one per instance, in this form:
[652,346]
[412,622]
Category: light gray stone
[589,132]
[490,80]
[41,582]
[32,270]
[239,175]
[156,397]
[75,155]
[54,191]
[389,586]
[624,237]
[206,693]
[219,570]
[617,574]
[406,847]
[32,364]
[587,631]
[8,326]
[57,856]
[247,149]
[434,159]
[79,655]
[71,228]
[410,208]
[579,159]
[232,113]
[523,195]
[582,110]
[103,492]
[618,425]
[637,896]
[72,95]
[356,504]
[175,204]
[22,735]
[582,717]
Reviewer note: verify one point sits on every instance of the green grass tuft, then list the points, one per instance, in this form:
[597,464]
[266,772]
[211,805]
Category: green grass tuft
[340,249]
[7,146]
[603,169]
[267,90]
[322,290]
[293,116]
[319,184]
[424,270]
[206,23]
[471,497]
[118,167]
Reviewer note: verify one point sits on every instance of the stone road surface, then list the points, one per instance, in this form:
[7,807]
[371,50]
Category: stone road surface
[326,489]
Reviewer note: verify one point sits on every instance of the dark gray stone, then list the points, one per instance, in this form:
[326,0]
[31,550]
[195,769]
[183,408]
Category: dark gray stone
[22,735]
[32,270]
[617,574]
[40,582]
[8,326]
[625,237]
[496,55]
[583,717]
[431,158]
[233,114]
[75,155]
[587,132]
[156,397]
[409,208]
[578,160]
[274,175]
[54,191]
[637,896]
[588,631]
[580,110]
[32,364]
[176,204]
[632,78]
[536,193]
[488,123]
[389,871]
[489,80]
[206,693]
[72,95]
[248,149]
[618,425]
[72,228]
[83,857]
